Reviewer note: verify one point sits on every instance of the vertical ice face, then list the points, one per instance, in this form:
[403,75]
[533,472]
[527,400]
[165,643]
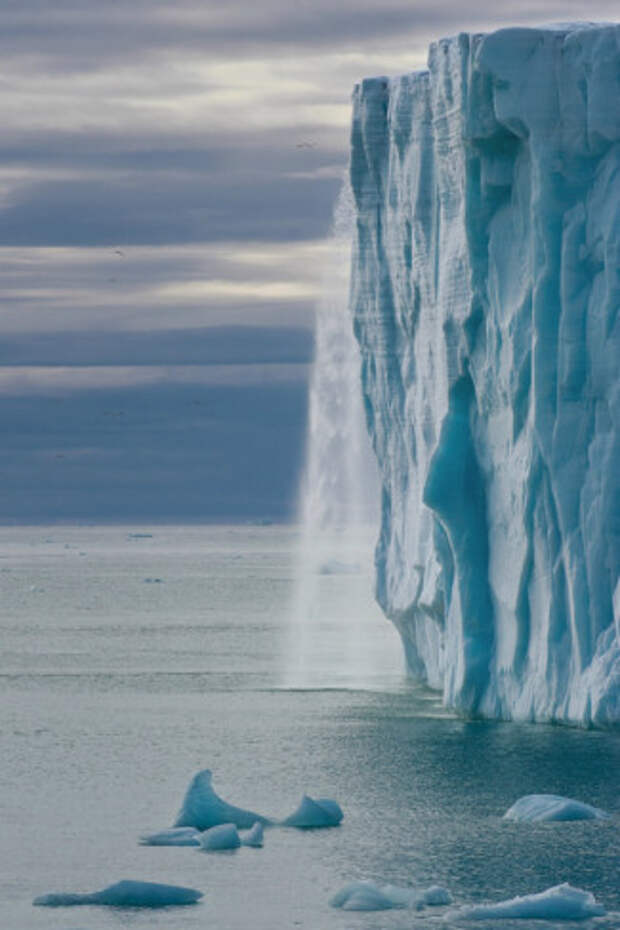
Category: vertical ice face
[486,290]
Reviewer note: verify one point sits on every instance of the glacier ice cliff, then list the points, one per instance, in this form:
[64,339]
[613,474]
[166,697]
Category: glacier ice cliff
[485,293]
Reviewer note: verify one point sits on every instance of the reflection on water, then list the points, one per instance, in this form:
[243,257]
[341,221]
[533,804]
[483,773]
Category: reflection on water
[114,692]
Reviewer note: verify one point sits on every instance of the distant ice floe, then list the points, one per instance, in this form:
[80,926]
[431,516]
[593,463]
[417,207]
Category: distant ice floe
[368,896]
[562,902]
[549,807]
[224,836]
[253,837]
[176,836]
[311,813]
[202,808]
[126,894]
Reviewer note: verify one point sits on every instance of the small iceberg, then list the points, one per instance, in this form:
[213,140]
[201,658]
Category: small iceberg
[176,836]
[368,896]
[224,836]
[311,814]
[254,837]
[551,807]
[202,808]
[562,902]
[126,894]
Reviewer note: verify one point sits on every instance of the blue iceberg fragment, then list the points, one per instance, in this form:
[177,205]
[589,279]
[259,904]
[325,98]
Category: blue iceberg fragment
[126,894]
[548,807]
[224,836]
[202,808]
[311,813]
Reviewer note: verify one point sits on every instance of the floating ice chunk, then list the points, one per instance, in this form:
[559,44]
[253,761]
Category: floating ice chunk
[311,813]
[126,894]
[254,837]
[368,896]
[545,807]
[562,902]
[363,896]
[202,808]
[176,836]
[224,836]
[435,896]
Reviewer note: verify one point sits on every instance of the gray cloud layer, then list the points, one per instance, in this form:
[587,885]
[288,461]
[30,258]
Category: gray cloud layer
[167,172]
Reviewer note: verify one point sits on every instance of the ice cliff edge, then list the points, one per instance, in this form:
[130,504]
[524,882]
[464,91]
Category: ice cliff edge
[485,296]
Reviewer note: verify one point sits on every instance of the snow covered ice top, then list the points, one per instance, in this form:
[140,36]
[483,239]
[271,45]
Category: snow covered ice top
[485,294]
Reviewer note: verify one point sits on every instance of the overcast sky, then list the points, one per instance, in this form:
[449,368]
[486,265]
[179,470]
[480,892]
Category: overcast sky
[167,174]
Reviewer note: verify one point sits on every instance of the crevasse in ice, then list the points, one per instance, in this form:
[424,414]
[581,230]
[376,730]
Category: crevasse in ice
[485,296]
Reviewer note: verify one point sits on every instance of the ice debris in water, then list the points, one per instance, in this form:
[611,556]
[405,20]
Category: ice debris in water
[253,837]
[202,808]
[176,836]
[547,807]
[126,894]
[311,813]
[224,836]
[562,902]
[367,896]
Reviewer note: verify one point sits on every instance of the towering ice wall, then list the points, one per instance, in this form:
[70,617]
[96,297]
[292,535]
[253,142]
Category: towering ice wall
[486,291]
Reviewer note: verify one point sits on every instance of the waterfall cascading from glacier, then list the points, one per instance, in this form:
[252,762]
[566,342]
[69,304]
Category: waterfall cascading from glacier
[338,634]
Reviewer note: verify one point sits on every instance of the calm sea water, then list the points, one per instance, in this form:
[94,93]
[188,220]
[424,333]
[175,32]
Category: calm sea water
[133,657]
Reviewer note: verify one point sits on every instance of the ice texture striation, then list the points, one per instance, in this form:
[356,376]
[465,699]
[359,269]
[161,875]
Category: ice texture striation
[485,296]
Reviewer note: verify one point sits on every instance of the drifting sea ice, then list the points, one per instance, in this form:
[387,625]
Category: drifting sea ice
[224,836]
[126,894]
[548,807]
[202,808]
[367,896]
[176,836]
[253,837]
[311,813]
[562,902]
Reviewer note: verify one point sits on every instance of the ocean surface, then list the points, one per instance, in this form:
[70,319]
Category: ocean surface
[133,656]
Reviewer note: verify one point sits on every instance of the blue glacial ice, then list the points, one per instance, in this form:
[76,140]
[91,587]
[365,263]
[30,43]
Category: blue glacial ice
[485,293]
[550,807]
[563,902]
[176,836]
[126,894]
[254,837]
[224,836]
[368,896]
[202,808]
[313,813]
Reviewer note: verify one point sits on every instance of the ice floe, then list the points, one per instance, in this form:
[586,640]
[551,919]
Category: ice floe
[176,836]
[313,813]
[368,896]
[253,837]
[126,894]
[224,836]
[562,902]
[202,808]
[547,807]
